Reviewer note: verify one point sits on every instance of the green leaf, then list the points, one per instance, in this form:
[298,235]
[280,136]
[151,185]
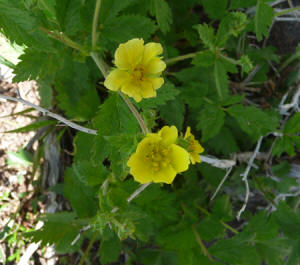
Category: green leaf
[235,4]
[115,117]
[224,142]
[288,220]
[263,19]
[283,144]
[90,174]
[194,93]
[293,124]
[111,8]
[83,144]
[8,64]
[156,257]
[59,229]
[77,95]
[215,9]
[81,196]
[221,80]
[232,24]
[68,16]
[164,94]
[31,67]
[253,121]
[207,35]
[204,59]
[235,252]
[246,64]
[110,250]
[19,26]
[167,113]
[210,121]
[126,27]
[21,158]
[33,126]
[163,14]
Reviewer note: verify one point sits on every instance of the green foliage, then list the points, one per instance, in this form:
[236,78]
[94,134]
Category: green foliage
[263,19]
[211,86]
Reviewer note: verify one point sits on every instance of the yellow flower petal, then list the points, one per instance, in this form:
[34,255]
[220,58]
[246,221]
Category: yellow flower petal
[129,54]
[151,50]
[132,90]
[147,90]
[157,82]
[165,175]
[138,170]
[168,134]
[155,66]
[179,158]
[195,148]
[116,79]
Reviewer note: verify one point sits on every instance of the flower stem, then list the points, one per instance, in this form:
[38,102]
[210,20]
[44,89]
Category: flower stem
[103,69]
[286,11]
[135,113]
[181,58]
[64,39]
[200,242]
[95,23]
[87,251]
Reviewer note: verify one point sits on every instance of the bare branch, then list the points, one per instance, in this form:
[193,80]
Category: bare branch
[221,183]
[245,176]
[220,163]
[50,114]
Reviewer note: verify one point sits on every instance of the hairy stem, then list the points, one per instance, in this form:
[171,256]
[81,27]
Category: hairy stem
[181,58]
[95,24]
[200,242]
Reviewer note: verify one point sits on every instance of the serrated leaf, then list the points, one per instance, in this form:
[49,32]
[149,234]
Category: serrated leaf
[163,14]
[115,117]
[90,174]
[221,79]
[194,93]
[167,113]
[156,257]
[68,16]
[77,95]
[254,121]
[204,59]
[126,27]
[59,229]
[164,94]
[109,250]
[283,144]
[210,121]
[215,9]
[111,8]
[288,220]
[207,35]
[18,25]
[292,126]
[235,252]
[263,19]
[81,196]
[83,144]
[232,24]
[31,67]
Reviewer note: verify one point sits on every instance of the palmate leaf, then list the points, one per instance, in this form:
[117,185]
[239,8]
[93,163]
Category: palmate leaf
[109,250]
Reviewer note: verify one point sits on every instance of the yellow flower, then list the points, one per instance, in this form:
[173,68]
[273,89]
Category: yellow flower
[194,148]
[158,158]
[138,69]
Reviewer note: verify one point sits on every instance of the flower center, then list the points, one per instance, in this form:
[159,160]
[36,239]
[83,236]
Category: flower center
[157,156]
[138,73]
